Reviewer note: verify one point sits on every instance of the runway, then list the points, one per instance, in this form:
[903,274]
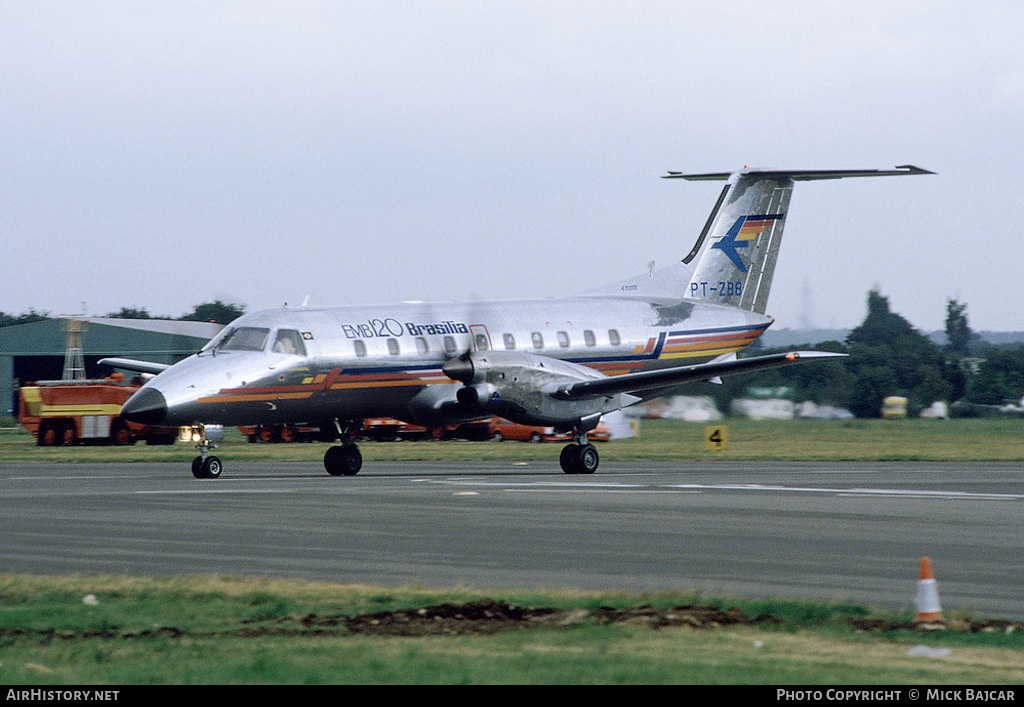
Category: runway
[819,530]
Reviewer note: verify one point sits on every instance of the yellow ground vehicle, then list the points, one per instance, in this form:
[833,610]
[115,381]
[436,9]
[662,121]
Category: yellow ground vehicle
[66,412]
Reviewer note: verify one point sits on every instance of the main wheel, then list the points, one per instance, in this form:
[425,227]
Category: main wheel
[344,460]
[579,459]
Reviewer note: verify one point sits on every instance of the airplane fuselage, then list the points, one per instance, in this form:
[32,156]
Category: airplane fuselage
[309,365]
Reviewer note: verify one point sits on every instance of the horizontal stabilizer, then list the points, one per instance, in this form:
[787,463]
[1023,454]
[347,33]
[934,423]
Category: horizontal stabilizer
[666,377]
[804,175]
[130,364]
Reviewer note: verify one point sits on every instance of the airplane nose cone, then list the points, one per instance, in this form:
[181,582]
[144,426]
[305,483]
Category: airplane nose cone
[146,407]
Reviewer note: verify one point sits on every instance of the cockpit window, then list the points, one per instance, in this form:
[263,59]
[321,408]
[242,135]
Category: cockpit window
[289,341]
[243,338]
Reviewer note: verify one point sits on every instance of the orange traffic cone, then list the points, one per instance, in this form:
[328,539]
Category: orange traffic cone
[929,610]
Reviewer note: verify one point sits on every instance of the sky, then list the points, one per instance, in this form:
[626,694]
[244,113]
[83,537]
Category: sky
[164,154]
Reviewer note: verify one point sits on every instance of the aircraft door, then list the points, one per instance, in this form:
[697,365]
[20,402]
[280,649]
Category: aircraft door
[481,339]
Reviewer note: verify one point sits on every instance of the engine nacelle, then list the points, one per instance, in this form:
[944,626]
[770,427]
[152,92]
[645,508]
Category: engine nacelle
[525,388]
[475,395]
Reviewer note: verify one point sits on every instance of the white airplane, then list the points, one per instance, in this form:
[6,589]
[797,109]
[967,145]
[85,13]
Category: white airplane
[558,362]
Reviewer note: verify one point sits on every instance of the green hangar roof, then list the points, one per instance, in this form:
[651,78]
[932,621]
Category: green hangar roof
[36,351]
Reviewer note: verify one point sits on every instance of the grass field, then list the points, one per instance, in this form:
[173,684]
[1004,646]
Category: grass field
[134,631]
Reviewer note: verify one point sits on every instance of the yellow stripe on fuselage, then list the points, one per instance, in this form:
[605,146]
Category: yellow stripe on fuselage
[701,353]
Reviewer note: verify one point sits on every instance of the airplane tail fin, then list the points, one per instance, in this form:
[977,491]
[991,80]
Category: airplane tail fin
[734,257]
[733,261]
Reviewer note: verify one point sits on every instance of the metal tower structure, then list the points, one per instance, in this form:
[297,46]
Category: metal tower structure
[74,360]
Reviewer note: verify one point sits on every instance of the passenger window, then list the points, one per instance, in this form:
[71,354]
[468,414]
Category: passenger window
[510,342]
[563,339]
[482,344]
[393,347]
[450,346]
[589,339]
[538,340]
[289,341]
[421,345]
[360,347]
[613,337]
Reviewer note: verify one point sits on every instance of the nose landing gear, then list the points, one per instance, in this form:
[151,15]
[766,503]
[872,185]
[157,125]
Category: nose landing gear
[205,466]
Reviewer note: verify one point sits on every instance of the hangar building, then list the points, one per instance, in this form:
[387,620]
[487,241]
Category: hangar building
[37,351]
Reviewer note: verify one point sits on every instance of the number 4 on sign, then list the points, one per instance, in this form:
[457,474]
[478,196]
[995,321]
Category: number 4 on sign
[716,438]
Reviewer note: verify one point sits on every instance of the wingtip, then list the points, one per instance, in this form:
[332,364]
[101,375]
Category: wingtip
[911,169]
[797,355]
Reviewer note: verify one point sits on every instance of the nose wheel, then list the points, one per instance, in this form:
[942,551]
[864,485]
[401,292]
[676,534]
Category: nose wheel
[206,467]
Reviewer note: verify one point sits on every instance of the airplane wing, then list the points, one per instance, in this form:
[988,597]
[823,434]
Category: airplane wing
[667,377]
[130,364]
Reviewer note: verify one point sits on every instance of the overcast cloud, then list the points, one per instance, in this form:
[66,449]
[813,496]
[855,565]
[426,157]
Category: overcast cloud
[160,155]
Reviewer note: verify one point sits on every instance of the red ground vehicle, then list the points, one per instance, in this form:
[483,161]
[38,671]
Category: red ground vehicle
[502,429]
[280,433]
[60,413]
[385,429]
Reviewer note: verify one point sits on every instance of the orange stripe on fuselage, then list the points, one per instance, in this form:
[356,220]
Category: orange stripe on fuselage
[254,398]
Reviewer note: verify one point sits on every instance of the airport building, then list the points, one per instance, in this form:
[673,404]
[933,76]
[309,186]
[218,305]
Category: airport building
[56,349]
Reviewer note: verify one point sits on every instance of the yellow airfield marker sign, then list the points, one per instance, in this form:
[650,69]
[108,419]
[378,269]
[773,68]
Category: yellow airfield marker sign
[716,438]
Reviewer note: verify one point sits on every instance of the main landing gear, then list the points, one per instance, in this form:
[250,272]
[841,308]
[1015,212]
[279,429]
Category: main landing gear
[580,457]
[344,459]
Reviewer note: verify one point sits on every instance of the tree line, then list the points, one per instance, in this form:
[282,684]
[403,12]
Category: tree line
[887,356]
[216,311]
